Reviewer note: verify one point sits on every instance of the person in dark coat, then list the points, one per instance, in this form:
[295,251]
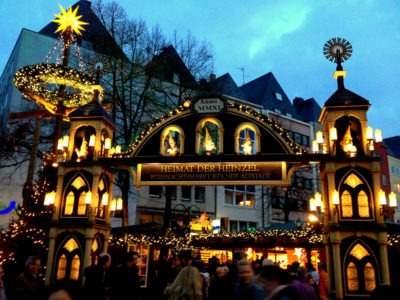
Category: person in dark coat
[220,285]
[275,281]
[28,285]
[125,280]
[96,284]
[245,287]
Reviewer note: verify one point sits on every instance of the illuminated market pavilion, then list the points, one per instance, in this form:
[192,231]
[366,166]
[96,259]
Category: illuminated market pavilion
[209,140]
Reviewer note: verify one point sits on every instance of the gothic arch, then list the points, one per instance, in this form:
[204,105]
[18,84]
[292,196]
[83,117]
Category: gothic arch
[360,268]
[349,127]
[355,195]
[77,187]
[81,145]
[68,257]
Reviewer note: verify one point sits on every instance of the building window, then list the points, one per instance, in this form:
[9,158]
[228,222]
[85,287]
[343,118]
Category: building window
[240,195]
[186,193]
[242,226]
[278,96]
[297,138]
[68,262]
[199,194]
[75,197]
[170,191]
[360,272]
[354,198]
[151,218]
[305,140]
[155,191]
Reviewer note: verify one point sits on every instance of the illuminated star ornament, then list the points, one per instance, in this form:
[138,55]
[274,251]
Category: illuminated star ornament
[44,83]
[68,20]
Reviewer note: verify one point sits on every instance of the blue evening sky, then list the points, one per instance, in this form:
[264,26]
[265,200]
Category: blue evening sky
[284,37]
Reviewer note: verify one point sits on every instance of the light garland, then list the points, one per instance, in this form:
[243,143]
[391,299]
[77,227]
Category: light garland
[297,148]
[33,81]
[179,243]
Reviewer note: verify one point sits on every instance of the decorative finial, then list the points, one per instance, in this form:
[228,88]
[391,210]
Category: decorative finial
[338,50]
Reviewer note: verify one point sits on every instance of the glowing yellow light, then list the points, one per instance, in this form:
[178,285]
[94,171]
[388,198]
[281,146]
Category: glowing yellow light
[335,197]
[49,198]
[104,199]
[113,206]
[119,204]
[382,198]
[68,20]
[88,198]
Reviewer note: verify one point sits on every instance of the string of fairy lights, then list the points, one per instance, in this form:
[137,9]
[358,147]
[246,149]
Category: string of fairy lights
[43,81]
[38,79]
[297,148]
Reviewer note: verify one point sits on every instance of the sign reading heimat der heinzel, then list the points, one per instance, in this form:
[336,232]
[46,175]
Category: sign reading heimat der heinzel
[271,173]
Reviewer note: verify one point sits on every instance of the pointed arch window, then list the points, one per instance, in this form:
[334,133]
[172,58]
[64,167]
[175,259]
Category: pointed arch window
[62,267]
[75,196]
[355,199]
[103,137]
[360,271]
[82,148]
[352,277]
[102,200]
[69,262]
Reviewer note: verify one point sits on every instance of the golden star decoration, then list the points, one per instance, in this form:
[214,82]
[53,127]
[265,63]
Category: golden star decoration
[69,20]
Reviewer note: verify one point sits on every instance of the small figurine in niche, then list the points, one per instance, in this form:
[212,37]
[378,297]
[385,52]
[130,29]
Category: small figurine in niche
[247,144]
[347,144]
[82,151]
[172,148]
[208,143]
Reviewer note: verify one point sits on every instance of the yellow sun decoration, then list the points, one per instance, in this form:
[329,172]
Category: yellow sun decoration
[68,20]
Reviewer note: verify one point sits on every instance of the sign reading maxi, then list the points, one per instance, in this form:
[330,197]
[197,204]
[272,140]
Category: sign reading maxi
[222,173]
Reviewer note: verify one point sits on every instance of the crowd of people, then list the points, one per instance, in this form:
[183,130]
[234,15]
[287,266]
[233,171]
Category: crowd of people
[187,278]
[180,277]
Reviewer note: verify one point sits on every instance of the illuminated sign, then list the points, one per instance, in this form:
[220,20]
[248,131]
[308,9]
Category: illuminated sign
[220,173]
[209,106]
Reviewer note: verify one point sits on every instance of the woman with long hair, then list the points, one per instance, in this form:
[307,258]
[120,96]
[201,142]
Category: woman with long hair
[186,286]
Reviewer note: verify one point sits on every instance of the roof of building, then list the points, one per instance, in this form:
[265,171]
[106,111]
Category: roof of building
[308,109]
[164,65]
[345,97]
[227,86]
[393,145]
[91,109]
[267,92]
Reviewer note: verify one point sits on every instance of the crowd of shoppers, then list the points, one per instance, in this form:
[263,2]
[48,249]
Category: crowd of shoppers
[181,277]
